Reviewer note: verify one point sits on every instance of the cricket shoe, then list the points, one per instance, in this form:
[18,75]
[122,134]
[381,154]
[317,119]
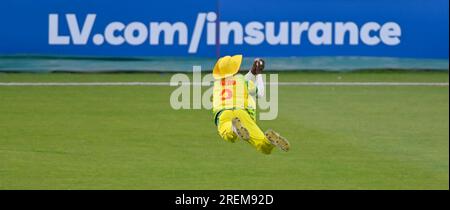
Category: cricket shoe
[278,140]
[239,129]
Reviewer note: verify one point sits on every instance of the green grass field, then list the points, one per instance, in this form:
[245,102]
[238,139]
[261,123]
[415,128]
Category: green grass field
[128,137]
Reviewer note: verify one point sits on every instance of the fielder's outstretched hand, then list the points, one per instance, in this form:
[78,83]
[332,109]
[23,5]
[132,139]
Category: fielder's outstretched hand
[258,66]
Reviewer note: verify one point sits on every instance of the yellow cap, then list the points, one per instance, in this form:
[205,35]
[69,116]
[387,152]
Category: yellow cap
[227,66]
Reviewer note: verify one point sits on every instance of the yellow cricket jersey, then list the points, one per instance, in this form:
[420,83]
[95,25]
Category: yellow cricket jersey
[234,93]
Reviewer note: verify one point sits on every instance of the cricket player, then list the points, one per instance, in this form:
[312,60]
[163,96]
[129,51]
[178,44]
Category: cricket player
[235,108]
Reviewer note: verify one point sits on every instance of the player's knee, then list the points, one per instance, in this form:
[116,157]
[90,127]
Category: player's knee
[266,149]
[228,137]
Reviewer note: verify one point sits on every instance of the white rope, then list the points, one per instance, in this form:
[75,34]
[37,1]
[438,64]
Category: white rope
[168,84]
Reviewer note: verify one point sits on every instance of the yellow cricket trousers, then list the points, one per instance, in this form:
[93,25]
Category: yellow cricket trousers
[257,137]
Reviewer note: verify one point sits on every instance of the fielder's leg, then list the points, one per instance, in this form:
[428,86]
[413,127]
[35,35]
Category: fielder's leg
[256,137]
[225,127]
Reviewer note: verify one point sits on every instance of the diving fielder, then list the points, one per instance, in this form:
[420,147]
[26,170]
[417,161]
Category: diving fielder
[234,107]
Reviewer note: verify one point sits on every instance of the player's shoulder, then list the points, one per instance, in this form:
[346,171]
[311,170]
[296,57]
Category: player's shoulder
[239,77]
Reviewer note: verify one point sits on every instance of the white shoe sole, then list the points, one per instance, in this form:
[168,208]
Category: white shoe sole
[241,131]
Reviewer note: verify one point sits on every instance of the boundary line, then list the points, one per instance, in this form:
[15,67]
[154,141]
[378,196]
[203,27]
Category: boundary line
[204,84]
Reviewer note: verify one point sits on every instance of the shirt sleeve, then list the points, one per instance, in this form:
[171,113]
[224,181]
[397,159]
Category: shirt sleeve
[251,87]
[260,85]
[257,84]
[249,76]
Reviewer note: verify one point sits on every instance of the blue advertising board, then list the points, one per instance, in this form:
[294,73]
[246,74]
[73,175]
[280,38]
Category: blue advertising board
[193,28]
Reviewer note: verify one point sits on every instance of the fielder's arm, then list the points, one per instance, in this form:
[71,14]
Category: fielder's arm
[254,75]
